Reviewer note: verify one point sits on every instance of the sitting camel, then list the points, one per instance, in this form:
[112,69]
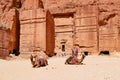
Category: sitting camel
[71,60]
[74,58]
[38,60]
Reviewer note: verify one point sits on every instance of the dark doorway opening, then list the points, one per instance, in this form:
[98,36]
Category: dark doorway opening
[86,53]
[63,47]
[104,53]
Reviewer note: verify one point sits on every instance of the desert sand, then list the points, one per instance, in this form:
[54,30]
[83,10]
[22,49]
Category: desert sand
[93,68]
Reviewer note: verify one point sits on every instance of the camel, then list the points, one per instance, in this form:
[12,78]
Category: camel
[38,61]
[78,61]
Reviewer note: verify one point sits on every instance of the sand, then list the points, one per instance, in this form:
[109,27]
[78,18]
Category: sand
[94,68]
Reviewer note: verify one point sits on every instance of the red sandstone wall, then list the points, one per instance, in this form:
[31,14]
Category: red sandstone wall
[4,42]
[33,30]
[15,33]
[94,27]
[85,22]
[86,28]
[50,34]
[8,19]
[64,31]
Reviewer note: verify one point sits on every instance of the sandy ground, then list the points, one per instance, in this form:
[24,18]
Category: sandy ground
[94,68]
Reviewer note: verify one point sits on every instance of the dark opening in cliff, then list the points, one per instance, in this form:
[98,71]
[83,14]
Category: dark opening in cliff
[104,52]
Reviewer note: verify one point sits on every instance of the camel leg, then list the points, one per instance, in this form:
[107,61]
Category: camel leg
[81,60]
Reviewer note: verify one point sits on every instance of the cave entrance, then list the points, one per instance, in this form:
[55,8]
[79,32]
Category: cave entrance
[104,53]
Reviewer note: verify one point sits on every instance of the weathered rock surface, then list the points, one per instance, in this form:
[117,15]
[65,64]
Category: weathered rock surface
[9,19]
[96,23]
[4,41]
[32,4]
[92,23]
[37,28]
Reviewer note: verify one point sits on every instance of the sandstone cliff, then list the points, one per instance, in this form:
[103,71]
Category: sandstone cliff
[98,20]
[7,7]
